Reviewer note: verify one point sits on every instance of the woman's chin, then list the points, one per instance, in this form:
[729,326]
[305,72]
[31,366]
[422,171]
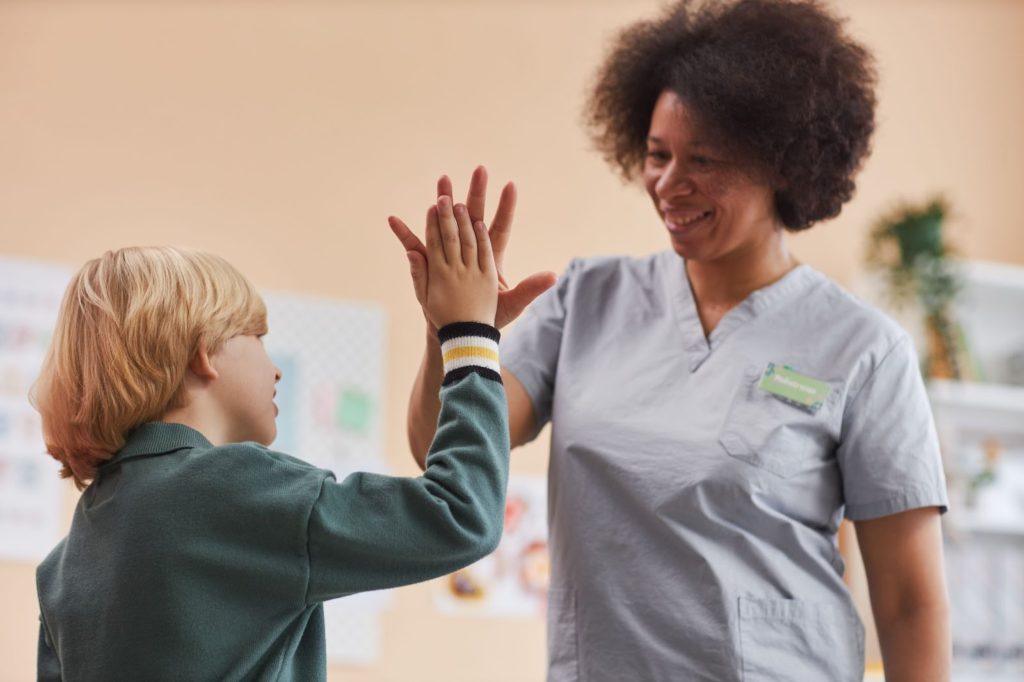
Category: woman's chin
[687,248]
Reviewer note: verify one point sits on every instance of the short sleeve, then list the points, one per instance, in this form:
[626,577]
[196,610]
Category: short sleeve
[889,451]
[530,349]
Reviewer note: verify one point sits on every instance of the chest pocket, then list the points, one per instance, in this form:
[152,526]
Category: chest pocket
[774,435]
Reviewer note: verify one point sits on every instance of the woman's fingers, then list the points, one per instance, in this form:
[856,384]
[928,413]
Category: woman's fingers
[406,236]
[444,187]
[476,199]
[467,240]
[512,302]
[418,272]
[501,226]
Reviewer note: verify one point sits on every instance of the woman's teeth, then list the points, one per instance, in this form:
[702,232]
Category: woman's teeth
[679,222]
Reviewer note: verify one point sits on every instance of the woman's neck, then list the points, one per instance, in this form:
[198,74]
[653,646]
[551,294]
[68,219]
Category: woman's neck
[721,284]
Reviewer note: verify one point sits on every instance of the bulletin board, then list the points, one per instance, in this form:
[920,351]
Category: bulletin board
[31,493]
[330,398]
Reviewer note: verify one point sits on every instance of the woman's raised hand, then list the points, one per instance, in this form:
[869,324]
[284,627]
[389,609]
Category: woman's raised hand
[511,301]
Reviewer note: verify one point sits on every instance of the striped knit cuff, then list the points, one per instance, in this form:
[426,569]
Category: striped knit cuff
[469,347]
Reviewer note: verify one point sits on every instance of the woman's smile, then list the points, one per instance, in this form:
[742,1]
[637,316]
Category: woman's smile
[683,222]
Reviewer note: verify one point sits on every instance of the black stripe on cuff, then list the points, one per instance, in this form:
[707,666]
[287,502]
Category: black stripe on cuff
[457,329]
[456,374]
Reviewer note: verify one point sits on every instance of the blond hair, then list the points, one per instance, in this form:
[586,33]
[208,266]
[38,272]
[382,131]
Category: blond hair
[129,324]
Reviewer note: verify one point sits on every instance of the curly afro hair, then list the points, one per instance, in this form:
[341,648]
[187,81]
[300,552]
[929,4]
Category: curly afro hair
[777,83]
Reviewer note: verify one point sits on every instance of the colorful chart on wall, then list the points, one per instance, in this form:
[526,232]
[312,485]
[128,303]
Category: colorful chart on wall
[31,493]
[512,581]
[331,355]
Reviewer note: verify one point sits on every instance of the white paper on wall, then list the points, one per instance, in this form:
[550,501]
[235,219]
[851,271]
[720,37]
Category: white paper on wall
[512,581]
[330,399]
[31,492]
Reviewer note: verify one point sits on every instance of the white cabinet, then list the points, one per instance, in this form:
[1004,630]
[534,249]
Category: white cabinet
[977,421]
[981,428]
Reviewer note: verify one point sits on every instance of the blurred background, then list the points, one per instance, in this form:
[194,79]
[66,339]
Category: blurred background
[281,136]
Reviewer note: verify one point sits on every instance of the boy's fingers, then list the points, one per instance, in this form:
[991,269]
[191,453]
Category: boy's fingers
[485,256]
[435,246]
[477,197]
[444,187]
[501,227]
[467,240]
[406,236]
[449,231]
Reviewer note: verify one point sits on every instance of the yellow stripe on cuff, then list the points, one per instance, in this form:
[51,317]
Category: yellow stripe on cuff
[471,352]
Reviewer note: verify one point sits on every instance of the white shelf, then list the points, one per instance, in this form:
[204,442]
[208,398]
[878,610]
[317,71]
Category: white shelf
[981,426]
[995,407]
[959,676]
[995,275]
[969,524]
[973,395]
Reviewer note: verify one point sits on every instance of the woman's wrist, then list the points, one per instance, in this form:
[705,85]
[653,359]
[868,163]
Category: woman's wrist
[433,343]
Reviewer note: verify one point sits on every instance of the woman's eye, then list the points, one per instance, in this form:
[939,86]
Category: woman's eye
[657,155]
[700,160]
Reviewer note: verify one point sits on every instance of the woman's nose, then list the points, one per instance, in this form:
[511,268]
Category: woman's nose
[674,182]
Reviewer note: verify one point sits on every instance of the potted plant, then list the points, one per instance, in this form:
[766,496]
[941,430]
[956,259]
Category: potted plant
[908,245]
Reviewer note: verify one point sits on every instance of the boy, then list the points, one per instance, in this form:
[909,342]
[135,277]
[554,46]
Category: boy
[195,552]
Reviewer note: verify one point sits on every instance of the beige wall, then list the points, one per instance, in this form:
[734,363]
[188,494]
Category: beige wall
[282,135]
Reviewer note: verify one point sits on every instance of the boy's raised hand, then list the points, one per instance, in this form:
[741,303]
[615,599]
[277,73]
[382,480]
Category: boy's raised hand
[463,280]
[511,301]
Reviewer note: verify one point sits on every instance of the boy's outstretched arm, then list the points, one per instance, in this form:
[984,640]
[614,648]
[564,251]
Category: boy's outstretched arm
[371,531]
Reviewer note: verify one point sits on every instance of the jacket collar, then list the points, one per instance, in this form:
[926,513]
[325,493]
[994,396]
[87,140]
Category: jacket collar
[159,438]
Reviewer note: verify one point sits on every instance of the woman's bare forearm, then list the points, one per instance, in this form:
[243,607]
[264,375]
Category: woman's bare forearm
[903,560]
[916,645]
[424,401]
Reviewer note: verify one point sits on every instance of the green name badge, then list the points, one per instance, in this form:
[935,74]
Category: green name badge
[795,388]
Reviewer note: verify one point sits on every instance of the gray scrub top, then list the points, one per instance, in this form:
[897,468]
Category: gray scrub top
[693,515]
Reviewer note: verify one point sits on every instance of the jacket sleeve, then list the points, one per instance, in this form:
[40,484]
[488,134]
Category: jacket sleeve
[47,664]
[371,531]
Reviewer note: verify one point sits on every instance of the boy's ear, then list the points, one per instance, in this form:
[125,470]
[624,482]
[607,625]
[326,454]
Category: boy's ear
[201,365]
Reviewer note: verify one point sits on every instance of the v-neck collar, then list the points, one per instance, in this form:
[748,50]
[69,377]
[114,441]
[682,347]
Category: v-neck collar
[697,345]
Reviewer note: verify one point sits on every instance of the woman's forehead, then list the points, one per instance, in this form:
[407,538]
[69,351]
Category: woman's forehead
[673,121]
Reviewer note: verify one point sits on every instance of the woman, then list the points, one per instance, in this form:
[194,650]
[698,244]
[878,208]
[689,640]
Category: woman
[718,408]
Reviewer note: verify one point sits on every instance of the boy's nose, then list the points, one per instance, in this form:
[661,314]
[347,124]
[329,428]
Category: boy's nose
[277,374]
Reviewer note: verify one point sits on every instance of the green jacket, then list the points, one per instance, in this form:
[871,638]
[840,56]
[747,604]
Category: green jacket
[187,561]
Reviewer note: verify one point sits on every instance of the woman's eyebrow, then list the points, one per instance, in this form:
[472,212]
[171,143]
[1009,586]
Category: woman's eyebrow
[693,144]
